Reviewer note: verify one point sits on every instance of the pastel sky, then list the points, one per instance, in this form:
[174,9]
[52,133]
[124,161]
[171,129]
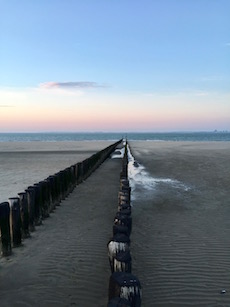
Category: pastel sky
[114,65]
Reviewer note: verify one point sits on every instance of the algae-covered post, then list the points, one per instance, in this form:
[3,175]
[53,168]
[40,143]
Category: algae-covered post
[5,228]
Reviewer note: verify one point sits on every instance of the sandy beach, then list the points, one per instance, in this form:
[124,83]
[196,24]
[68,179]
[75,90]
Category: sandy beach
[179,242]
[65,261]
[25,163]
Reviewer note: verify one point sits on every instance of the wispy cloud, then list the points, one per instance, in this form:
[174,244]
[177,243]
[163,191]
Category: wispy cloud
[6,106]
[227,44]
[71,85]
[201,93]
[212,78]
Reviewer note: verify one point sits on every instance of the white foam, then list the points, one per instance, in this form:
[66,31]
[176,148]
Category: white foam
[118,153]
[139,177]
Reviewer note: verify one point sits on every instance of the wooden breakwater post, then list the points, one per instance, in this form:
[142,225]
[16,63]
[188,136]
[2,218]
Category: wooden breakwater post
[5,228]
[15,221]
[24,214]
[124,288]
[31,207]
[20,215]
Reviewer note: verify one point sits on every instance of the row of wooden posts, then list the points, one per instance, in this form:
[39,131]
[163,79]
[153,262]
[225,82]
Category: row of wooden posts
[21,214]
[124,287]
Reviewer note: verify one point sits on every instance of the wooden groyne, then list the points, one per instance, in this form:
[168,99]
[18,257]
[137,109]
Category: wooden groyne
[124,287]
[20,215]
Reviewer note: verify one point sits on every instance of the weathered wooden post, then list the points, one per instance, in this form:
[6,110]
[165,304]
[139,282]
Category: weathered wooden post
[79,172]
[69,180]
[5,228]
[123,220]
[85,168]
[123,197]
[58,188]
[43,201]
[119,243]
[47,194]
[122,262]
[125,211]
[24,214]
[37,204]
[120,229]
[123,205]
[72,173]
[75,174]
[124,184]
[51,192]
[127,286]
[63,184]
[31,207]
[15,220]
[66,181]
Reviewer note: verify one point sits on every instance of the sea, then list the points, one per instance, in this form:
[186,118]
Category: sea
[114,136]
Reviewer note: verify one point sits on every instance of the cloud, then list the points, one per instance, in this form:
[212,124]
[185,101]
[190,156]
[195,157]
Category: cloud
[227,44]
[6,106]
[201,93]
[70,85]
[212,78]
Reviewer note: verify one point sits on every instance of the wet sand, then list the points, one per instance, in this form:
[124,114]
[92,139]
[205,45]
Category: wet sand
[180,241]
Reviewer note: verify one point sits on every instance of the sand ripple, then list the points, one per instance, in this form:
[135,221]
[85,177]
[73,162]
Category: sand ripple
[65,262]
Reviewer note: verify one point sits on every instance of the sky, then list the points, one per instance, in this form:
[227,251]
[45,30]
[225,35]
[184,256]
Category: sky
[114,65]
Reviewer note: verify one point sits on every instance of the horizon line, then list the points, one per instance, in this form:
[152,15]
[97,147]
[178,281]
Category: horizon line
[120,132]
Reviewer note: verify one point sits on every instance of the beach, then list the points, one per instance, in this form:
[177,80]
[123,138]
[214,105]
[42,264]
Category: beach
[65,261]
[179,242]
[25,163]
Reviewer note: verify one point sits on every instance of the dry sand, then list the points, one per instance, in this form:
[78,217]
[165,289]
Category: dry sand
[181,233]
[180,240]
[25,163]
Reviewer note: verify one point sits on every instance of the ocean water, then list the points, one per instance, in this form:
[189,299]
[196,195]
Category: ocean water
[141,181]
[169,136]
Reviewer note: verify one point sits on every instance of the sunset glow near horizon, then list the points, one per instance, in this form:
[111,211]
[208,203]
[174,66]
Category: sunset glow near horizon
[111,66]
